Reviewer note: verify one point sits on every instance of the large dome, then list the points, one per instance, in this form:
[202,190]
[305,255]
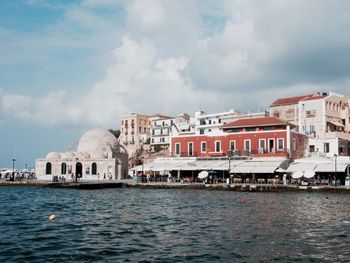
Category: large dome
[97,141]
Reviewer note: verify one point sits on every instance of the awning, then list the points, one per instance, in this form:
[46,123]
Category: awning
[281,170]
[256,167]
[301,167]
[330,167]
[336,123]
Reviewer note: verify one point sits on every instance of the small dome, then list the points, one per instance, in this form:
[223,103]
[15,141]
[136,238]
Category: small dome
[67,155]
[97,141]
[53,155]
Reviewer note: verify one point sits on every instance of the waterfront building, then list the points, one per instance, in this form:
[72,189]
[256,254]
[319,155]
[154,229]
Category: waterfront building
[160,132]
[135,131]
[324,117]
[287,109]
[253,137]
[98,156]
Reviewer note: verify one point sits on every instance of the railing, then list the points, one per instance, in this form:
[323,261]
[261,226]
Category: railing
[237,153]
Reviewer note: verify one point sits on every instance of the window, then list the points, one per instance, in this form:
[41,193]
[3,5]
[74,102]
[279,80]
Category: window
[217,146]
[312,148]
[247,144]
[177,148]
[48,168]
[280,143]
[63,168]
[201,131]
[294,144]
[312,128]
[276,114]
[203,147]
[326,147]
[262,146]
[232,145]
[94,168]
[209,121]
[190,149]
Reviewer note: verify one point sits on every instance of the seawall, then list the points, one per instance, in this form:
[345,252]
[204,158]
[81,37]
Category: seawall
[199,186]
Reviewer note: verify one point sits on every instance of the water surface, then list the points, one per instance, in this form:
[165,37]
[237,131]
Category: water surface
[139,225]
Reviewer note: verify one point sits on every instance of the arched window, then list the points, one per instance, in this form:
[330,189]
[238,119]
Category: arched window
[94,168]
[63,168]
[48,168]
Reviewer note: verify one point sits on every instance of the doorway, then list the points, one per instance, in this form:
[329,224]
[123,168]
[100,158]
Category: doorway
[271,145]
[79,170]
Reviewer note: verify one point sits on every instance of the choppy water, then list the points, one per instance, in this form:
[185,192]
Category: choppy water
[138,225]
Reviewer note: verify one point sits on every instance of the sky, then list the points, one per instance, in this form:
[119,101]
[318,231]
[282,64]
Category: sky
[67,66]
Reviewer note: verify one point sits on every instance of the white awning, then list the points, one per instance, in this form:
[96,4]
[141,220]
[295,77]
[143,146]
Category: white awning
[330,167]
[300,167]
[336,123]
[265,167]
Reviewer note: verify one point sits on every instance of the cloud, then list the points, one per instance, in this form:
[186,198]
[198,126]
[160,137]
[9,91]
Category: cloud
[173,56]
[138,80]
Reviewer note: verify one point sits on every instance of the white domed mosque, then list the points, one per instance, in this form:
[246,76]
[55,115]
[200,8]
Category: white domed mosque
[99,156]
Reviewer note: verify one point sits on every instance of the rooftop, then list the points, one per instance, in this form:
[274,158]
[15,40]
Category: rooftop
[255,122]
[291,100]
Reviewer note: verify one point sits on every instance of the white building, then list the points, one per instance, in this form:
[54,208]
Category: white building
[210,124]
[160,132]
[99,156]
[324,117]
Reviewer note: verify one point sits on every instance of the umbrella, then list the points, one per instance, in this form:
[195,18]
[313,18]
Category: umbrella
[309,174]
[203,175]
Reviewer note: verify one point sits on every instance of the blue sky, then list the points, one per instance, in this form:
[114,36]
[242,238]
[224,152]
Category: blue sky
[68,66]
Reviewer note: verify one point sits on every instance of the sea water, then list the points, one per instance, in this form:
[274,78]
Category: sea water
[145,225]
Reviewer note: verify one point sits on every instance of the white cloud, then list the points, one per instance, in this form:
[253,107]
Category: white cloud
[168,60]
[138,80]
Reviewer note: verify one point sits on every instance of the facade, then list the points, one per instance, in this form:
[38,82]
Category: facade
[99,156]
[211,124]
[323,117]
[135,130]
[287,109]
[254,137]
[160,132]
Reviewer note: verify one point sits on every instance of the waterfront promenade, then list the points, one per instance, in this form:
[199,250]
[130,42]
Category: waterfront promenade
[176,185]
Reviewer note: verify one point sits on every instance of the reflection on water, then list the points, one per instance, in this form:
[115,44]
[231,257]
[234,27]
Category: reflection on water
[172,226]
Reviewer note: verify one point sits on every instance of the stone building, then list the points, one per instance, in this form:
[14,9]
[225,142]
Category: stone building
[99,156]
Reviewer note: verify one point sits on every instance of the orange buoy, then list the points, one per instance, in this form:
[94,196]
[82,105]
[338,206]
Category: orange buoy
[52,217]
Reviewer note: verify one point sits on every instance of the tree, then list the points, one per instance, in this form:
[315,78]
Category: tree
[116,133]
